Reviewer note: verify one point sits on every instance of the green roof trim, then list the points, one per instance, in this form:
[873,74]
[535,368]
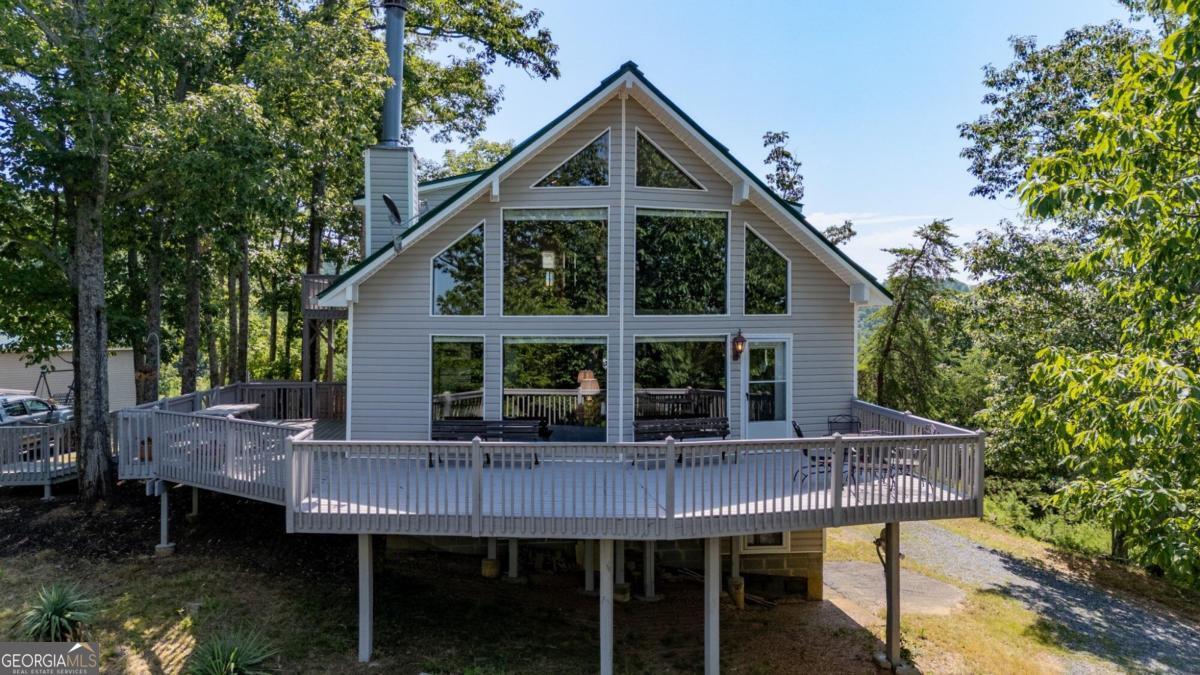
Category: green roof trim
[627,67]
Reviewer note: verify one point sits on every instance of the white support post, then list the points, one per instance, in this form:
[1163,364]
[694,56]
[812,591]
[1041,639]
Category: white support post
[712,606]
[835,480]
[648,570]
[366,598]
[606,607]
[513,573]
[195,503]
[491,551]
[891,538]
[589,568]
[165,547]
[46,496]
[735,559]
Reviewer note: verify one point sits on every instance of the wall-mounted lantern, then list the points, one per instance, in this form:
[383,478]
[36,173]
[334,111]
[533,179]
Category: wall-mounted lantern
[739,345]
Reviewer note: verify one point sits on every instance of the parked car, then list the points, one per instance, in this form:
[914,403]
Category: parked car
[21,409]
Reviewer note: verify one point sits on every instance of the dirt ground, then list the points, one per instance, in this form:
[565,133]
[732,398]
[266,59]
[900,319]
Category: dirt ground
[236,567]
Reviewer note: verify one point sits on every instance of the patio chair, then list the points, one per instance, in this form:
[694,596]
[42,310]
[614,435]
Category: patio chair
[843,424]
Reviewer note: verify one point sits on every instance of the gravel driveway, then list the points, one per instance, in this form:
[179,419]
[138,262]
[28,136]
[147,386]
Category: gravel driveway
[1112,628]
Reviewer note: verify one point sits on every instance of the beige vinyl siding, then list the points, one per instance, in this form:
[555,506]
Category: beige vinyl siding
[434,195]
[392,322]
[392,171]
[15,374]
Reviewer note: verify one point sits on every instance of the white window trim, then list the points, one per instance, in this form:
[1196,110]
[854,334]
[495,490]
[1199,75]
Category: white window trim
[585,146]
[785,547]
[746,266]
[429,378]
[607,262]
[638,132]
[433,298]
[728,263]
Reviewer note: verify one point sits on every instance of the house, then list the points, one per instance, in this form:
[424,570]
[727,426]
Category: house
[18,374]
[617,335]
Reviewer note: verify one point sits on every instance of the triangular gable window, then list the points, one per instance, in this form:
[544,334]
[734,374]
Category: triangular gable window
[586,168]
[656,170]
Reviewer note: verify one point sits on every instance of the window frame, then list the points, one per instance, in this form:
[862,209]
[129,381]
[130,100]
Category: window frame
[610,427]
[638,131]
[784,547]
[728,262]
[675,336]
[609,159]
[746,265]
[483,406]
[433,272]
[608,262]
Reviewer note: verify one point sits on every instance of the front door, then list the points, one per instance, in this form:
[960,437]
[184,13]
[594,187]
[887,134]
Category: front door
[766,380]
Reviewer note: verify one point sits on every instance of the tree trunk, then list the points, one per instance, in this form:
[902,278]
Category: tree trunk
[243,343]
[97,477]
[316,234]
[232,338]
[330,327]
[214,358]
[273,334]
[154,310]
[289,335]
[190,359]
[137,307]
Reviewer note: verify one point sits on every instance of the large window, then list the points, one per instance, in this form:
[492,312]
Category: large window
[681,261]
[586,168]
[766,277]
[559,381]
[555,262]
[457,378]
[679,377]
[458,277]
[656,170]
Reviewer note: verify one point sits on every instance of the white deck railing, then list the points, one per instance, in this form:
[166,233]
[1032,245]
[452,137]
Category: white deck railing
[134,433]
[630,490]
[893,422]
[37,454]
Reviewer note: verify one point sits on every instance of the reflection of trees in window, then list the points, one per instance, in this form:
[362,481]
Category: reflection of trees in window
[681,262]
[586,168]
[555,262]
[457,377]
[458,277]
[766,277]
[679,377]
[655,169]
[561,381]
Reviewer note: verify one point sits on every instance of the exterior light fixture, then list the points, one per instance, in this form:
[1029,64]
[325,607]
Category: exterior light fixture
[739,345]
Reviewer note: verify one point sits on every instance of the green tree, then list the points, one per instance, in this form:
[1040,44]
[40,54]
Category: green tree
[1127,420]
[479,155]
[900,356]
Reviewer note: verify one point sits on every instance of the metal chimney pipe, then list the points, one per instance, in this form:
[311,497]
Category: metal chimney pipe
[393,100]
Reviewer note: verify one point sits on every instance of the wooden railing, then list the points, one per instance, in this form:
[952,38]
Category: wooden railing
[661,403]
[310,286]
[893,422]
[36,454]
[630,490]
[134,432]
[239,457]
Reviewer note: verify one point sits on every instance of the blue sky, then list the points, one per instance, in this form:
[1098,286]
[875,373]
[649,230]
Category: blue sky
[871,93]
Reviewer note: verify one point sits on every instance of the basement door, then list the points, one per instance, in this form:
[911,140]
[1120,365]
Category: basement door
[766,381]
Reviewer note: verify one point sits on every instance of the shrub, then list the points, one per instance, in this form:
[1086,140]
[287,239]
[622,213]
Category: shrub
[60,613]
[1013,511]
[231,653]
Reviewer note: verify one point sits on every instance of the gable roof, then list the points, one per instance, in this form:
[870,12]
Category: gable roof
[629,76]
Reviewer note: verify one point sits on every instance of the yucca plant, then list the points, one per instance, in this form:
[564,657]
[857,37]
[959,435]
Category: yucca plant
[236,652]
[60,613]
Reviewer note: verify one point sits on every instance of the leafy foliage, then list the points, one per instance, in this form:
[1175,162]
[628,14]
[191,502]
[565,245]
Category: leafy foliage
[59,613]
[785,177]
[479,155]
[238,652]
[1126,420]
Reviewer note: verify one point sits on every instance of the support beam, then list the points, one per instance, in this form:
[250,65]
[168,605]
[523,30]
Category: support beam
[606,607]
[589,567]
[46,496]
[366,598]
[513,572]
[490,567]
[891,539]
[648,571]
[712,606]
[491,548]
[619,561]
[195,512]
[495,192]
[165,547]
